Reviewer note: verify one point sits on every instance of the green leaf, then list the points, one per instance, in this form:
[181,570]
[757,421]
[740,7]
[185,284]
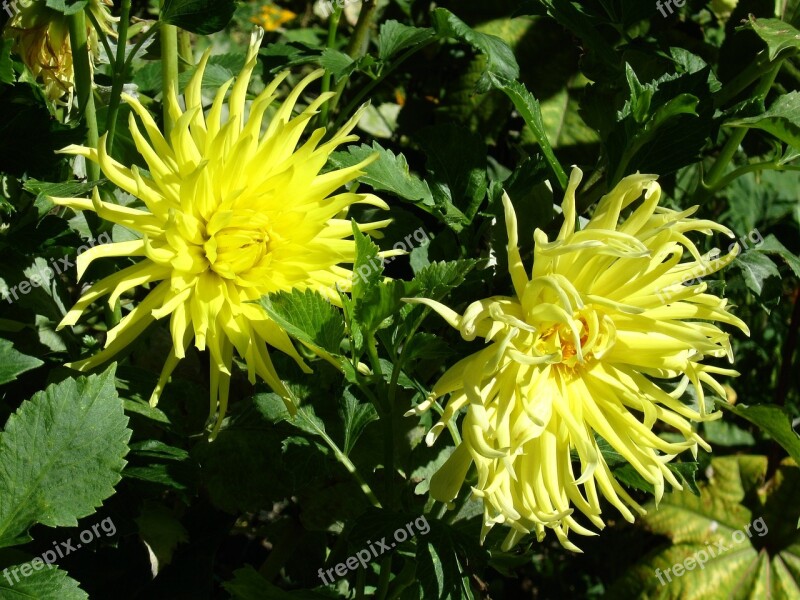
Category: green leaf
[6,64]
[239,468]
[198,16]
[67,7]
[356,416]
[724,433]
[456,179]
[389,173]
[307,317]
[306,420]
[500,60]
[61,453]
[162,532]
[531,111]
[756,269]
[442,555]
[396,37]
[368,267]
[68,189]
[743,534]
[178,477]
[422,474]
[156,449]
[572,16]
[781,120]
[771,245]
[48,583]
[337,63]
[778,35]
[380,303]
[13,363]
[771,419]
[438,278]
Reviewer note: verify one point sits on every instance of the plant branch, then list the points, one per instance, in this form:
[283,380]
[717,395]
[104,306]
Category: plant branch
[169,71]
[120,72]
[333,27]
[79,42]
[730,148]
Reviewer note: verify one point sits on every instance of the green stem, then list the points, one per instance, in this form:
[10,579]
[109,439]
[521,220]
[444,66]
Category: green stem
[743,80]
[387,417]
[353,470]
[404,579]
[333,27]
[730,148]
[185,52]
[145,36]
[357,46]
[119,73]
[169,67]
[79,43]
[101,35]
[385,577]
[744,170]
[361,581]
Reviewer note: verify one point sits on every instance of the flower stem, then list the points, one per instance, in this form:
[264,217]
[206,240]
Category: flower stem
[119,73]
[769,165]
[333,27]
[730,148]
[169,70]
[101,35]
[352,469]
[385,577]
[185,51]
[79,42]
[356,47]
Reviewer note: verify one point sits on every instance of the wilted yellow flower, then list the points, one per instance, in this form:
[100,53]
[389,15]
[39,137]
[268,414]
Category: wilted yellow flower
[272,17]
[230,213]
[586,347]
[41,38]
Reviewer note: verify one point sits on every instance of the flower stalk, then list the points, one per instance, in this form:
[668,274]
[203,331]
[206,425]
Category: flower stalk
[169,72]
[79,43]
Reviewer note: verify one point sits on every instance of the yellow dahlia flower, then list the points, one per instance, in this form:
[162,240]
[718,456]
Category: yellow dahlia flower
[586,347]
[41,38]
[231,211]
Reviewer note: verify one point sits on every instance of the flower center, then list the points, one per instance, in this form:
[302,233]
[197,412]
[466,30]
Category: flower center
[236,243]
[569,341]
